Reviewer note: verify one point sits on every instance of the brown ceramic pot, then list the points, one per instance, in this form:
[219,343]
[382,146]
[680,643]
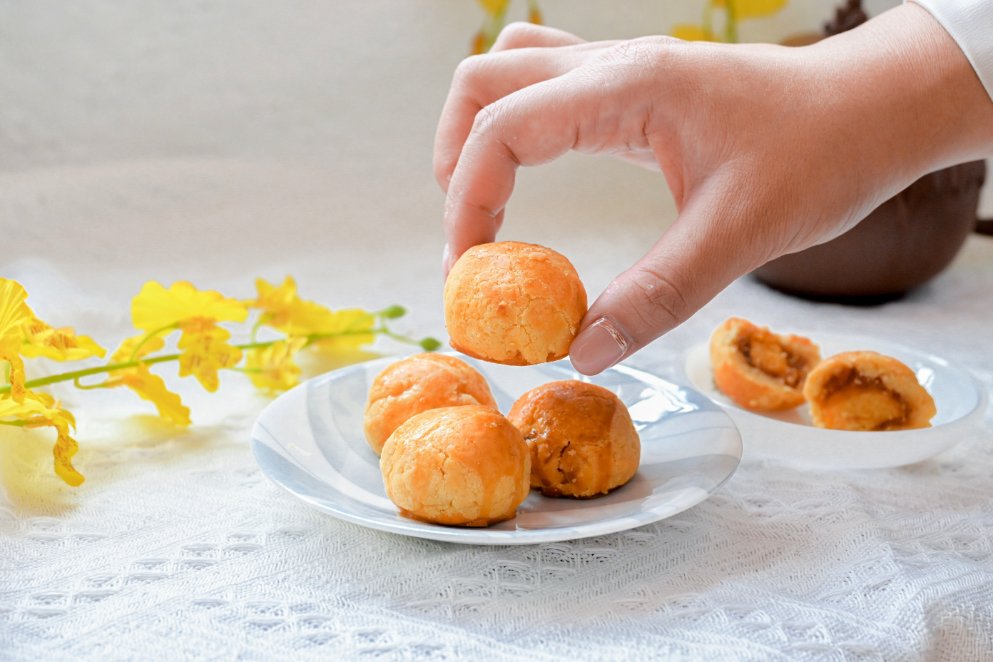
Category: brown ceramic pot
[905,242]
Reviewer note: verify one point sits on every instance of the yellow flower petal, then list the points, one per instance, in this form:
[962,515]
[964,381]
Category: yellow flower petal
[348,328]
[205,350]
[42,410]
[494,7]
[146,384]
[144,344]
[285,311]
[151,387]
[61,344]
[14,312]
[688,32]
[64,450]
[156,307]
[276,302]
[752,8]
[14,315]
[272,368]
[15,374]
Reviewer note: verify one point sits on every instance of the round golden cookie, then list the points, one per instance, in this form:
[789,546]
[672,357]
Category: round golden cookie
[418,383]
[867,391]
[759,369]
[463,466]
[513,303]
[582,440]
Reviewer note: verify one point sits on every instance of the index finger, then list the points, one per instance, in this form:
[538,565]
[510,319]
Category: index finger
[531,126]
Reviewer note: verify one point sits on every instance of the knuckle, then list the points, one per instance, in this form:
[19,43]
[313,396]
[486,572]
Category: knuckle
[467,71]
[487,119]
[657,300]
[516,35]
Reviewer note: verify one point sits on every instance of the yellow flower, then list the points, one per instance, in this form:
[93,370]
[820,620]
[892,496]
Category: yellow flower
[61,344]
[688,32]
[144,344]
[751,8]
[146,384]
[14,314]
[277,302]
[284,310]
[151,387]
[348,328]
[156,307]
[272,368]
[534,13]
[41,410]
[494,7]
[205,350]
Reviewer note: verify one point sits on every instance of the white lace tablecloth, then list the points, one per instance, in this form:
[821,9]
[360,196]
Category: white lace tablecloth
[178,547]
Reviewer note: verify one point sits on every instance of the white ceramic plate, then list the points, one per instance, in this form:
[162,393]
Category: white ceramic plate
[791,436]
[310,442]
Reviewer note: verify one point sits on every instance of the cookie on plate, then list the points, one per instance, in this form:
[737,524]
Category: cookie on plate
[867,391]
[758,369]
[582,440]
[418,383]
[460,466]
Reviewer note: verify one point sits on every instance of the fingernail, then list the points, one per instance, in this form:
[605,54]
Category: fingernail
[599,346]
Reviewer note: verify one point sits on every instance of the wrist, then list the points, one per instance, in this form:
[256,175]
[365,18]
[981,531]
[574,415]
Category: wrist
[922,104]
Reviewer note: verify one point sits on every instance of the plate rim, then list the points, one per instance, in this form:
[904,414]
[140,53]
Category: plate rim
[484,535]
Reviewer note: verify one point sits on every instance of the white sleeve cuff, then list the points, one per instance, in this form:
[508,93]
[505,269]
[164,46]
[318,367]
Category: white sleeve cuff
[970,23]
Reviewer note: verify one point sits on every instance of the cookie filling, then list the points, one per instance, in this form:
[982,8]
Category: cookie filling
[774,359]
[865,401]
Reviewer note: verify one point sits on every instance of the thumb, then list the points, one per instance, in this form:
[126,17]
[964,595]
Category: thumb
[696,258]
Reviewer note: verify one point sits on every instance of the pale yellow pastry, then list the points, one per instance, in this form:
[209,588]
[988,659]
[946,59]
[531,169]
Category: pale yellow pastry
[582,440]
[513,303]
[463,466]
[867,391]
[759,369]
[418,383]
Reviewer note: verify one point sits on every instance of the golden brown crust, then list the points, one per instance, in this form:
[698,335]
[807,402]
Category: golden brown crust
[582,440]
[460,466]
[513,303]
[867,391]
[759,369]
[418,383]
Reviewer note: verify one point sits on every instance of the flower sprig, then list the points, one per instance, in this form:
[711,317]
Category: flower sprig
[194,319]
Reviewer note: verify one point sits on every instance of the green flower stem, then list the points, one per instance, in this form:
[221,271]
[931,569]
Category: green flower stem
[95,370]
[149,336]
[75,375]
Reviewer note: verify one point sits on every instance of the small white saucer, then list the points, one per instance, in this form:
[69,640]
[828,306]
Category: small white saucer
[790,435]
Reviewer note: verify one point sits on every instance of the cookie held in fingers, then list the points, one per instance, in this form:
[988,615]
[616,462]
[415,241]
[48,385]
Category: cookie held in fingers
[460,466]
[513,303]
[582,440]
[418,383]
[867,391]
[758,369]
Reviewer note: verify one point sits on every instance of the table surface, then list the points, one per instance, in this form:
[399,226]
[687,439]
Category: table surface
[177,546]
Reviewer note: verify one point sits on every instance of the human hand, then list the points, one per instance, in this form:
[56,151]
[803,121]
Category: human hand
[767,150]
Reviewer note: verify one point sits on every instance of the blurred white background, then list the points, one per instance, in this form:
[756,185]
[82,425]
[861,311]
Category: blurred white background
[219,140]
